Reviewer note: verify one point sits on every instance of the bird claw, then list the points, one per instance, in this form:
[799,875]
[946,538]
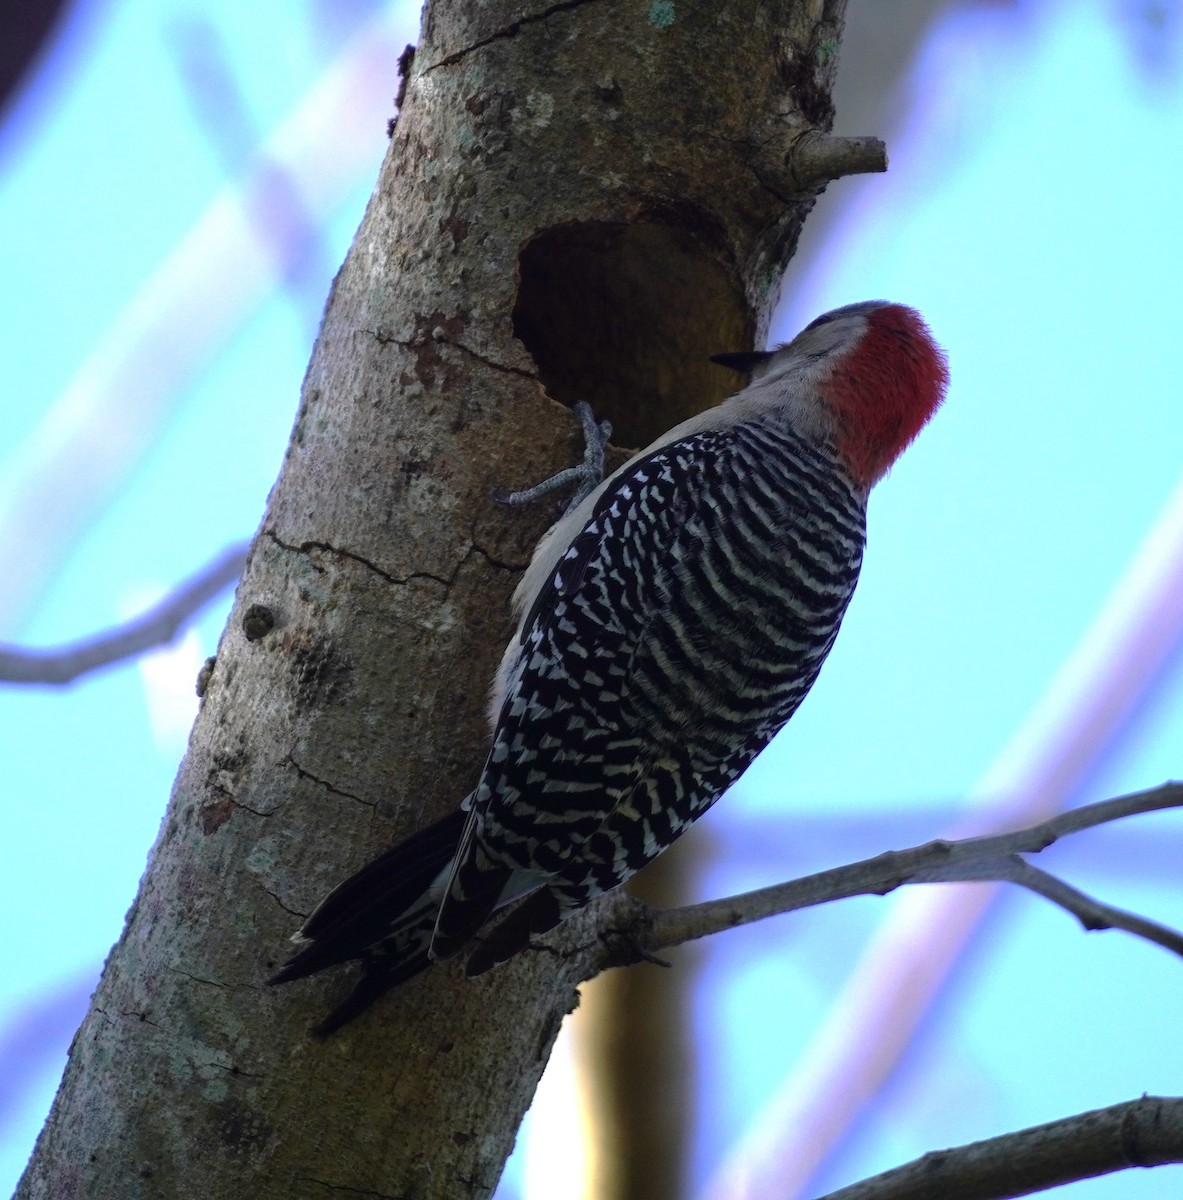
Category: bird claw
[584,478]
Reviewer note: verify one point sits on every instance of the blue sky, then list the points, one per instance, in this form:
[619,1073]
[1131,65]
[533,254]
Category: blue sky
[1031,213]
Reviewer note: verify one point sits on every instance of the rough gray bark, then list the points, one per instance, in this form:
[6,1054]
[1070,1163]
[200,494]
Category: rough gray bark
[592,196]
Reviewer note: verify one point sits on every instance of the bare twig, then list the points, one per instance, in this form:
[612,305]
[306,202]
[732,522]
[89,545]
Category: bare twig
[157,627]
[991,858]
[1092,914]
[817,158]
[796,162]
[1139,1133]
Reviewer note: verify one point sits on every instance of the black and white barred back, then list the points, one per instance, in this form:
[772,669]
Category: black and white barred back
[679,632]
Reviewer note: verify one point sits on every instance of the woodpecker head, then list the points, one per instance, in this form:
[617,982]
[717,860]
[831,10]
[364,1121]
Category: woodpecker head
[867,377]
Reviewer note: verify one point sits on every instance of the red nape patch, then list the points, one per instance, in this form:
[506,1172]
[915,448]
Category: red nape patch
[885,390]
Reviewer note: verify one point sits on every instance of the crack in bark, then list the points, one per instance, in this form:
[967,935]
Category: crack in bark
[231,1070]
[252,987]
[385,339]
[197,978]
[496,563]
[446,582]
[324,783]
[508,31]
[306,548]
[344,1187]
[256,812]
[491,363]
[144,1019]
[290,911]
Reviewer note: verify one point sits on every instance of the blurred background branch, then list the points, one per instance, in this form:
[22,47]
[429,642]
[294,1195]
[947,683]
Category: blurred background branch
[156,627]
[1147,1132]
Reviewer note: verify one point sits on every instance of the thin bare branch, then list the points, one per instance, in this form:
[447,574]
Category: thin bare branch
[1088,816]
[1147,1132]
[991,858]
[818,158]
[1092,914]
[796,162]
[157,627]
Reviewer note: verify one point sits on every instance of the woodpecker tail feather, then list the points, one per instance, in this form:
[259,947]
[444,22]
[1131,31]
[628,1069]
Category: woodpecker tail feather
[380,975]
[383,914]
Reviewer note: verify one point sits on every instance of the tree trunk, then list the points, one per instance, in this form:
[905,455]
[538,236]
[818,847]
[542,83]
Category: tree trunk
[592,196]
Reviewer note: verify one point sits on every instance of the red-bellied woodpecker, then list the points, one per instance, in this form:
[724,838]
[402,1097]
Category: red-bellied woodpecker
[669,626]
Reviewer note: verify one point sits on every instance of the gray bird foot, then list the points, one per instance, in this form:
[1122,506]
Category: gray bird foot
[584,478]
